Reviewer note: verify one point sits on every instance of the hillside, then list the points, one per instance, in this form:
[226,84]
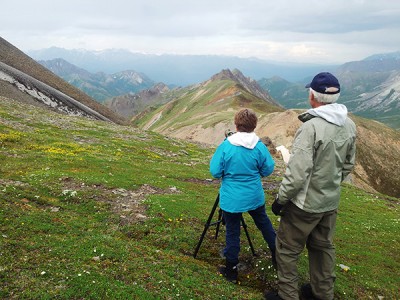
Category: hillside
[20,72]
[205,111]
[95,210]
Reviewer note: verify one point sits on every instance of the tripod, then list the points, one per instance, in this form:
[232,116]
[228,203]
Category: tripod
[218,223]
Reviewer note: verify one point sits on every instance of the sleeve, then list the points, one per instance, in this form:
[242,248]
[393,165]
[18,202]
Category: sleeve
[300,164]
[267,164]
[350,161]
[217,162]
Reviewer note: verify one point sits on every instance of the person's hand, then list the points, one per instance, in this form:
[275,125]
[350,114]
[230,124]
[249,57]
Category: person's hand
[276,207]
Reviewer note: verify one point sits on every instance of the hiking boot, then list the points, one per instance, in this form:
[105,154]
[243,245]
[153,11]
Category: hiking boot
[306,292]
[230,272]
[272,296]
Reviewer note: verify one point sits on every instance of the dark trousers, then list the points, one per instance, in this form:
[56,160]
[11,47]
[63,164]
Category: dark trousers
[232,222]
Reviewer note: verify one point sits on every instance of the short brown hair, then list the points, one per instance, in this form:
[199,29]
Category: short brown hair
[245,120]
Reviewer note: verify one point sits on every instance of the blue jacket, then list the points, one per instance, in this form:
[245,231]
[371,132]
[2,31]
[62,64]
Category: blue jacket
[241,160]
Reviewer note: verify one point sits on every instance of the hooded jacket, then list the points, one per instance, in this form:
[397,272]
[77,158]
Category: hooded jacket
[241,160]
[323,154]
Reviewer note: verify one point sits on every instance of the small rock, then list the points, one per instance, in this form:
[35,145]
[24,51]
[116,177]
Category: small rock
[140,216]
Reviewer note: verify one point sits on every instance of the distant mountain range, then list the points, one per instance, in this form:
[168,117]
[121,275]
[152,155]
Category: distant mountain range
[370,87]
[176,70]
[100,86]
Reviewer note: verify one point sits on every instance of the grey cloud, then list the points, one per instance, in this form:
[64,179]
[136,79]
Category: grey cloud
[247,28]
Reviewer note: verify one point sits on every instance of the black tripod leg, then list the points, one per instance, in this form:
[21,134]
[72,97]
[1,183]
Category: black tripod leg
[206,226]
[248,236]
[218,223]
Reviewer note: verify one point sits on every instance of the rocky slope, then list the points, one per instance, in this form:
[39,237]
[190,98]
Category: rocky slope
[371,88]
[130,105]
[24,79]
[248,83]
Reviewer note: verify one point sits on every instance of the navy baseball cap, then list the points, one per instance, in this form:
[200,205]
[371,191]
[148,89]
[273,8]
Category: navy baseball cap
[325,83]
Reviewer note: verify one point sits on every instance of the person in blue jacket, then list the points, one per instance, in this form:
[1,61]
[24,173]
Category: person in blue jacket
[241,160]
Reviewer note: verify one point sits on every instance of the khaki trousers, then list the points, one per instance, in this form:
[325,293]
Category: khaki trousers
[298,229]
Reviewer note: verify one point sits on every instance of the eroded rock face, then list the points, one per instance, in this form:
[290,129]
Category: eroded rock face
[46,95]
[378,158]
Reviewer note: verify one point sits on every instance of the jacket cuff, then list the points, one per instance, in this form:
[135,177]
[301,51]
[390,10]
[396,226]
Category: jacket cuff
[282,200]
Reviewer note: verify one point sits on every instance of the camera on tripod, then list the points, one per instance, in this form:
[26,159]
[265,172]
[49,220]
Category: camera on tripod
[229,132]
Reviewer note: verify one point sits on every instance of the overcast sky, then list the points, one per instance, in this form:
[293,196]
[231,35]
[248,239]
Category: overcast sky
[320,31]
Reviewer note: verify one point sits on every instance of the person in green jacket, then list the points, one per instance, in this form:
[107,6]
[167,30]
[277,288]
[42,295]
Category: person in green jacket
[323,154]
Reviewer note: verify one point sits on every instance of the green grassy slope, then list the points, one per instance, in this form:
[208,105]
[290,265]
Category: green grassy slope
[74,193]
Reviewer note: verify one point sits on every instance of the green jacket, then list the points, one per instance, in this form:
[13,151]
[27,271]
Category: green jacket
[323,154]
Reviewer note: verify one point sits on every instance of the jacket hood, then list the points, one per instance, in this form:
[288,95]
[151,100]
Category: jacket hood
[333,113]
[245,139]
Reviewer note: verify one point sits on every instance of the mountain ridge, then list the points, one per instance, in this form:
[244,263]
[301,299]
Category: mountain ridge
[100,86]
[130,105]
[14,59]
[248,83]
[201,103]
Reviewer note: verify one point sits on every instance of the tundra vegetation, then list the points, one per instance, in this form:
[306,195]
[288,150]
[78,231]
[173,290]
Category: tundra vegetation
[93,210]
